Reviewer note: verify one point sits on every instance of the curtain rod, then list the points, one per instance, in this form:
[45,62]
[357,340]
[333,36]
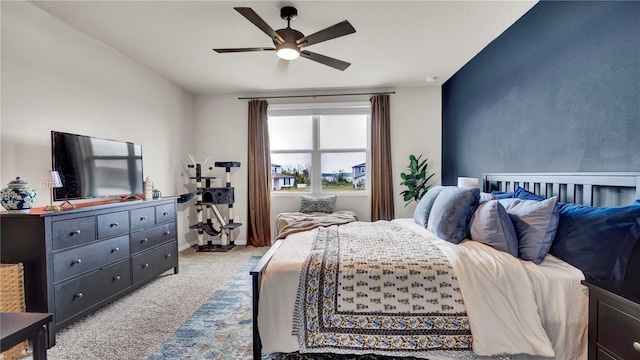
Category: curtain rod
[313,96]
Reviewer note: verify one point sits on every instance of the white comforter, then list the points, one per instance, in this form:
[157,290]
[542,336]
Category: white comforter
[540,310]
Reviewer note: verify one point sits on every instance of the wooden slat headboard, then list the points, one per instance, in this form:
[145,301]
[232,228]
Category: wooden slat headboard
[578,188]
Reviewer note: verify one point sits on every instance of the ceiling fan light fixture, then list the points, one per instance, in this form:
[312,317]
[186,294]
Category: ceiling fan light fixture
[287,51]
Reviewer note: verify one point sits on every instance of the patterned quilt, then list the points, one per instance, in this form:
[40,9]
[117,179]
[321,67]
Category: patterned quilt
[396,295]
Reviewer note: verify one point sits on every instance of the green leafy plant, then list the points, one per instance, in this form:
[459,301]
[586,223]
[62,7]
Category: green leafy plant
[415,179]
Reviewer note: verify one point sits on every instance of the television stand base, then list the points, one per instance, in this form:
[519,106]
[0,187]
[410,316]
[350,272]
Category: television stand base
[131,198]
[67,202]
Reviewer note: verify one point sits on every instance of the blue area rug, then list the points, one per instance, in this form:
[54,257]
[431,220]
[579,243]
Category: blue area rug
[222,328]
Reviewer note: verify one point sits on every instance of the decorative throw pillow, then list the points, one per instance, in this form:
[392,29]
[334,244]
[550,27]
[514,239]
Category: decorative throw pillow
[502,194]
[421,213]
[484,197]
[597,240]
[522,193]
[451,213]
[491,225]
[309,204]
[536,223]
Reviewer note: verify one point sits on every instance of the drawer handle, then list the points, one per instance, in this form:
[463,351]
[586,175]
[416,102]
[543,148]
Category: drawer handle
[169,255]
[114,224]
[144,240]
[78,261]
[636,346]
[167,232]
[77,296]
[116,278]
[143,218]
[116,249]
[145,266]
[165,213]
[77,232]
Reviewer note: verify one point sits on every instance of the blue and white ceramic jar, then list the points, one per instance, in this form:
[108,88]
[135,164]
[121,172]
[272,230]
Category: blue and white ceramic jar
[18,196]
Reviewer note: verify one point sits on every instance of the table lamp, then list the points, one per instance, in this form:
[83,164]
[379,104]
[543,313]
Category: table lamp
[467,182]
[51,179]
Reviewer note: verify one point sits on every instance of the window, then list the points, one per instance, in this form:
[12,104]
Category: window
[318,149]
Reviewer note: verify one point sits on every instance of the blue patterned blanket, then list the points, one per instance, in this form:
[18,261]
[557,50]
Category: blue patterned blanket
[382,289]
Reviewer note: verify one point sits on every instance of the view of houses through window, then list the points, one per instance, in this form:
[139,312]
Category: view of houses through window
[319,153]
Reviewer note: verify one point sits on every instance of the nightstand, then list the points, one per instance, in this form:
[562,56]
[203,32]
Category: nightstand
[614,320]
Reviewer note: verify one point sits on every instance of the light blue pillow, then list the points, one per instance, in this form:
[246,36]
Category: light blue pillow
[421,213]
[536,223]
[451,213]
[491,225]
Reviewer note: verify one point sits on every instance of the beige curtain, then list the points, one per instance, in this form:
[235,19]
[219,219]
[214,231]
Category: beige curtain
[259,229]
[381,172]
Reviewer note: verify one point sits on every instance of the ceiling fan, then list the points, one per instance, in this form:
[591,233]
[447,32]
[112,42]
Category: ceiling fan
[289,42]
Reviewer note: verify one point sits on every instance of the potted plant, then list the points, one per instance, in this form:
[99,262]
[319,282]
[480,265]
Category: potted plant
[415,179]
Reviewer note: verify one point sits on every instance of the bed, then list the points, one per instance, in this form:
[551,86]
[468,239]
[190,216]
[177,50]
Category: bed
[517,309]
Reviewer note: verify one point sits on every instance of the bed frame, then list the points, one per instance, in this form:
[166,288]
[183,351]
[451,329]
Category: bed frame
[578,188]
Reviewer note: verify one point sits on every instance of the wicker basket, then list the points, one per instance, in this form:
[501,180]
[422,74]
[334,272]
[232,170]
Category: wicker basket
[12,300]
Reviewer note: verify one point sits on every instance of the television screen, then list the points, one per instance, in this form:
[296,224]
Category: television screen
[91,167]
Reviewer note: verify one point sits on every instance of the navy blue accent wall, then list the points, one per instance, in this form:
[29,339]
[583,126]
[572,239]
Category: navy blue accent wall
[559,91]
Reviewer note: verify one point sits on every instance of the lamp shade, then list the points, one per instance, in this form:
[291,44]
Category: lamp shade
[50,179]
[467,182]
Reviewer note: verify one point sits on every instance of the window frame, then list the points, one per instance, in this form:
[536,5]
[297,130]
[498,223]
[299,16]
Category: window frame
[315,111]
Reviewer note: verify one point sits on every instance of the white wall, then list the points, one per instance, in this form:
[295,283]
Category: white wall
[56,78]
[416,128]
[221,132]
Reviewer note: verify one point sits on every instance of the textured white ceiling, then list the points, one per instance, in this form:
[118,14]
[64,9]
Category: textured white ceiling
[397,43]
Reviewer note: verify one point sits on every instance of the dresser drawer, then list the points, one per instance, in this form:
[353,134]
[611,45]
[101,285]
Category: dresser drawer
[72,232]
[165,213]
[148,238]
[154,262]
[143,217]
[618,330]
[78,260]
[113,224]
[79,294]
[601,355]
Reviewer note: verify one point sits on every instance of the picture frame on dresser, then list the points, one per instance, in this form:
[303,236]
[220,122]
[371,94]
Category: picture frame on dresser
[78,260]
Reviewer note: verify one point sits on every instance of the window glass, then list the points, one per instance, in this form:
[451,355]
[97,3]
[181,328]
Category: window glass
[291,132]
[319,149]
[291,172]
[343,171]
[343,132]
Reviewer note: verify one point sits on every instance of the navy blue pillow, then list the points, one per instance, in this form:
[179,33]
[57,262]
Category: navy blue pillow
[502,194]
[597,241]
[522,193]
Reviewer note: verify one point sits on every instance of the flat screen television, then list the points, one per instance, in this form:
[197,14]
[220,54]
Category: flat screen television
[91,167]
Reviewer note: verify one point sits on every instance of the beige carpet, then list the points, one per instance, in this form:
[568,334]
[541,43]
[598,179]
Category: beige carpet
[133,326]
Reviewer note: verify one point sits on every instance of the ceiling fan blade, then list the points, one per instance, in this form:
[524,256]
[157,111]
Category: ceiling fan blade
[334,63]
[234,50]
[332,32]
[257,21]
[282,68]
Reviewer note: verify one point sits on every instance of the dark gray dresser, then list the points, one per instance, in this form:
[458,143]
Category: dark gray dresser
[77,260]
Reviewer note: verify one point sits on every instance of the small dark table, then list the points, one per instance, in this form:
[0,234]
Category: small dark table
[18,327]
